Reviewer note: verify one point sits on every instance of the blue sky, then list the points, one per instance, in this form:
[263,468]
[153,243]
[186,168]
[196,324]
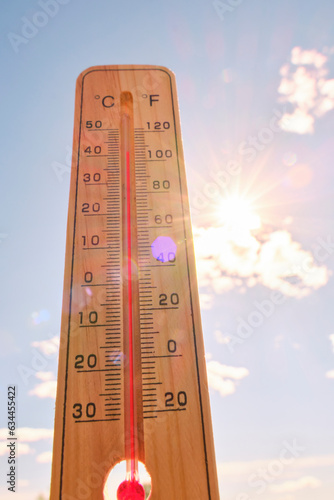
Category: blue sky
[256,95]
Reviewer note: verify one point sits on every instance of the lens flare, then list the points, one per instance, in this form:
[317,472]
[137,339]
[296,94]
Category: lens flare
[289,159]
[164,249]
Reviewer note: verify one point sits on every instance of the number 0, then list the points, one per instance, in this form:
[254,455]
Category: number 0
[171,346]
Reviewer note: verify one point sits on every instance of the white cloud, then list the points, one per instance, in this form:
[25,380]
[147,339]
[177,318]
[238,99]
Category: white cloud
[330,374]
[48,388]
[327,87]
[308,57]
[227,260]
[21,448]
[44,458]
[45,390]
[24,449]
[25,435]
[224,378]
[302,483]
[48,347]
[304,86]
[299,122]
[317,461]
[301,88]
[45,376]
[221,338]
[28,434]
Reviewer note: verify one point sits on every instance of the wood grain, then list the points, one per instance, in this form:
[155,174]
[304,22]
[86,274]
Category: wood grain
[174,432]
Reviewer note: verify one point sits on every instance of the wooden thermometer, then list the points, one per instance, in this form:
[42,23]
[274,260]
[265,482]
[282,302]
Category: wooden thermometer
[132,380]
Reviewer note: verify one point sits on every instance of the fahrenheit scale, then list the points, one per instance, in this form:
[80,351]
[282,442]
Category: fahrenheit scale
[132,380]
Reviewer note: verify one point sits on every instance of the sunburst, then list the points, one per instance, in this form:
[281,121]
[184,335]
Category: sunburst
[237,214]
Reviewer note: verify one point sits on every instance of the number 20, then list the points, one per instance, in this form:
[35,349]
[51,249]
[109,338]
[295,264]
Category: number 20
[181,398]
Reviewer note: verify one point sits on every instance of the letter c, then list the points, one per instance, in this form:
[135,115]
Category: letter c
[107,104]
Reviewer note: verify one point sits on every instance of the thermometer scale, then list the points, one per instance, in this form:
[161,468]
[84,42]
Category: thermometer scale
[132,380]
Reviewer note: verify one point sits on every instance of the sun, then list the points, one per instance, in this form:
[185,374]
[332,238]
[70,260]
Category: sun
[238,214]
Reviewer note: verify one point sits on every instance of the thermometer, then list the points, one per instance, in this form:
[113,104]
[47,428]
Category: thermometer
[132,380]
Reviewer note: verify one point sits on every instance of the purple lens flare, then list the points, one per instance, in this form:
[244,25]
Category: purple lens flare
[164,249]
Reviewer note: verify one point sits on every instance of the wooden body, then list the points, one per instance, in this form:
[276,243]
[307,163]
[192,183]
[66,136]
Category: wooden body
[173,422]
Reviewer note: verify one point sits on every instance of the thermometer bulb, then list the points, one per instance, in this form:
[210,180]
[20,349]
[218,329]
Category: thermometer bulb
[130,490]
